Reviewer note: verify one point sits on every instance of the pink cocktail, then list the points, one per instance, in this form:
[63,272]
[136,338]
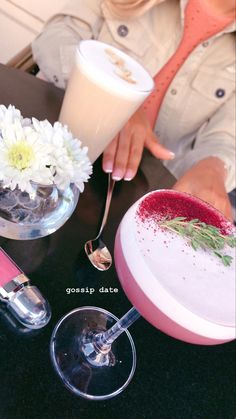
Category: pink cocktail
[188,294]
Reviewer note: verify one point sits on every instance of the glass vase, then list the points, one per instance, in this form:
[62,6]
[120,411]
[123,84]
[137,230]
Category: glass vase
[26,216]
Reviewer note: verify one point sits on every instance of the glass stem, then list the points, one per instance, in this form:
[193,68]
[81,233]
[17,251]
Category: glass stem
[105,339]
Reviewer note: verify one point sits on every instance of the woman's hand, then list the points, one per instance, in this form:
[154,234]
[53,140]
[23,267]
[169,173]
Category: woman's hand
[124,153]
[206,181]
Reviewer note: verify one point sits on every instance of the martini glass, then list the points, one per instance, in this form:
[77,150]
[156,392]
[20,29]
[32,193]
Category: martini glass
[180,291]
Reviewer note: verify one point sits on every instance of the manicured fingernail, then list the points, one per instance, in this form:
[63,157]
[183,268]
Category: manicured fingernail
[117,174]
[129,175]
[108,166]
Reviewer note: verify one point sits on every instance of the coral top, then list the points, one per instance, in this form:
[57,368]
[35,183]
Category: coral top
[200,24]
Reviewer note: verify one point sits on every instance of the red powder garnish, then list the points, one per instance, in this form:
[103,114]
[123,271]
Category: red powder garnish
[168,203]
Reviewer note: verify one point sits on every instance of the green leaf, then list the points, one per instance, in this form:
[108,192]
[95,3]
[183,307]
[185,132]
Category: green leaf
[201,235]
[194,244]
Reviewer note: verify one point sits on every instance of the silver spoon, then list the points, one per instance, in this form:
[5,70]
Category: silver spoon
[95,249]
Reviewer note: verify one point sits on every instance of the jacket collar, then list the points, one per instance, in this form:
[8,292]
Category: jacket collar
[228,29]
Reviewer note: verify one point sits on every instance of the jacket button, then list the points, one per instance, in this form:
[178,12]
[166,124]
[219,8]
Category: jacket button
[220,93]
[205,44]
[55,78]
[173,91]
[122,30]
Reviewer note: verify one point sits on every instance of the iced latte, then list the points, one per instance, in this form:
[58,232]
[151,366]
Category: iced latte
[105,88]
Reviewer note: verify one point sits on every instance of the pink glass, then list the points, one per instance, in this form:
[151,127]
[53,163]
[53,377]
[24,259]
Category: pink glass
[188,294]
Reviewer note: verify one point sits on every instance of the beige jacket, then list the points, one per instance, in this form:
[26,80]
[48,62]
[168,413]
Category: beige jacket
[197,116]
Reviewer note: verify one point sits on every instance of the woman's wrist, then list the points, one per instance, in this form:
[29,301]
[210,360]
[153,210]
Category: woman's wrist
[214,165]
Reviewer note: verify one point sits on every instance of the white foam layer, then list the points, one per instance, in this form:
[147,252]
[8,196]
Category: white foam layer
[96,61]
[196,279]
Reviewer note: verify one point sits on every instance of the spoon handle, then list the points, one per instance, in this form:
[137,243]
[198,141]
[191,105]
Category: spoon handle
[110,188]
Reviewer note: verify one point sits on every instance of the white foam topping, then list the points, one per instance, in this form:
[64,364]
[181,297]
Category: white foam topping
[114,70]
[196,279]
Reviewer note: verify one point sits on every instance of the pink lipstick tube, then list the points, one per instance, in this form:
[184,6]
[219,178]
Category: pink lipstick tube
[24,301]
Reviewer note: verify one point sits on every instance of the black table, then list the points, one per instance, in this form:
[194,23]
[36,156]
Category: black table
[173,379]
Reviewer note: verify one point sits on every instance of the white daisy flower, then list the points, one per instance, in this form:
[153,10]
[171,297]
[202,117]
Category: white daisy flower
[39,152]
[70,163]
[23,157]
[10,115]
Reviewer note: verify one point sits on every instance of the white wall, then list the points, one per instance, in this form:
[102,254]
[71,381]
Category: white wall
[20,21]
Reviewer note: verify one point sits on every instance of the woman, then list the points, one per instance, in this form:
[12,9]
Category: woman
[188,47]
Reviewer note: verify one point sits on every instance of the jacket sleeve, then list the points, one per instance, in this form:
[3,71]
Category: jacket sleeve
[54,48]
[215,138]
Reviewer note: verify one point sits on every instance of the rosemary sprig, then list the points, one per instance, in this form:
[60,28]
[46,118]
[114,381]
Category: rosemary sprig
[201,235]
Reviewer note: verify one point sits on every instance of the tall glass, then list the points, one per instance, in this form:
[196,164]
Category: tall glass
[188,294]
[105,88]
